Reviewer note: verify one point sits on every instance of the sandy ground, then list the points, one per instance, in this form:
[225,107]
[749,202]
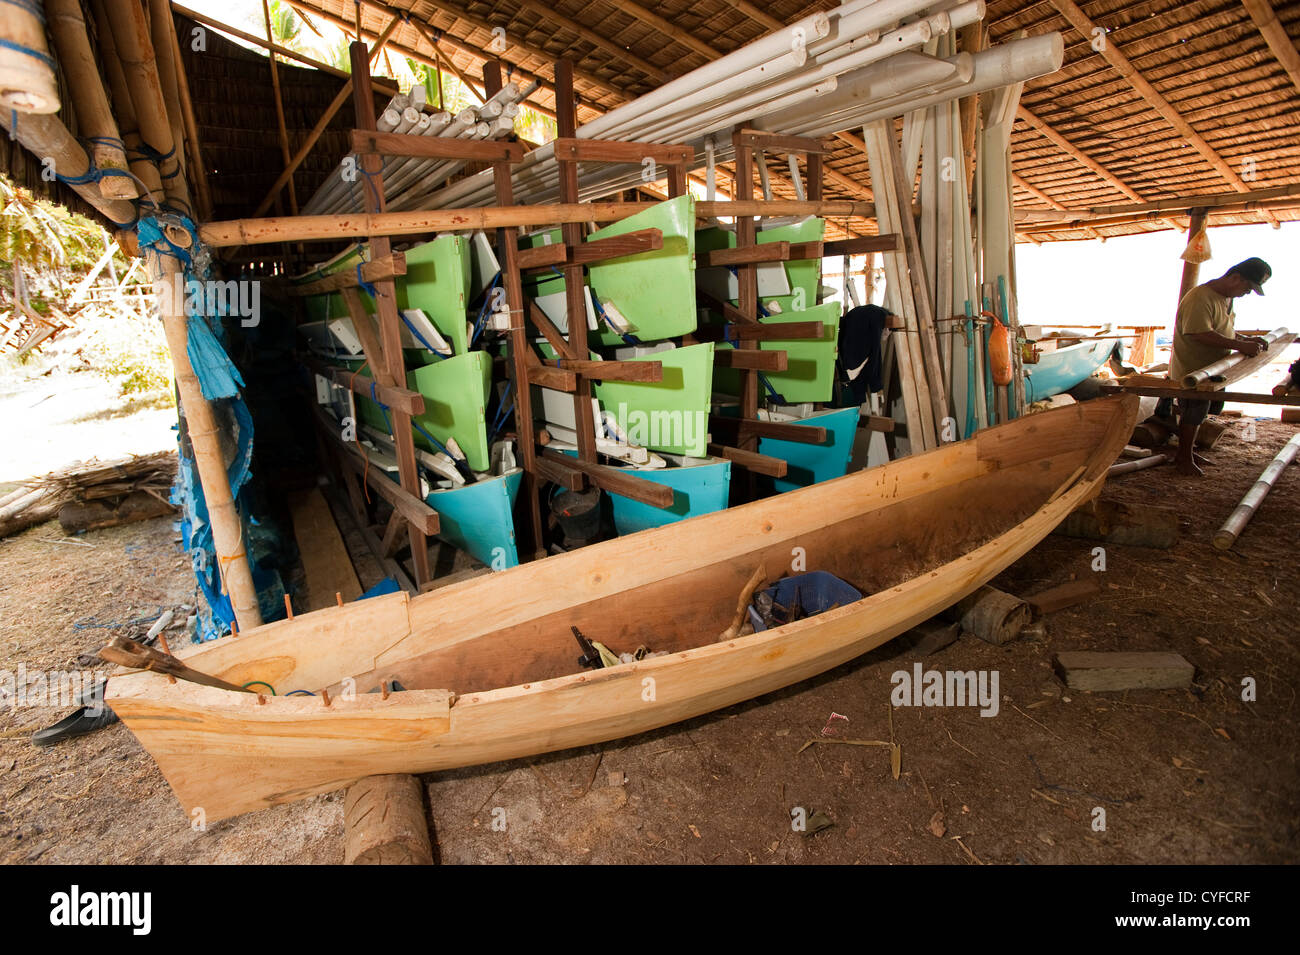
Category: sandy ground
[1183,776]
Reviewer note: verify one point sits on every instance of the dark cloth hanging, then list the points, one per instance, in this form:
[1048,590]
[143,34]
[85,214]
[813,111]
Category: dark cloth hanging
[861,330]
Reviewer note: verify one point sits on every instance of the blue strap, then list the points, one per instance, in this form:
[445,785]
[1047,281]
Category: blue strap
[365,286]
[422,340]
[28,51]
[151,234]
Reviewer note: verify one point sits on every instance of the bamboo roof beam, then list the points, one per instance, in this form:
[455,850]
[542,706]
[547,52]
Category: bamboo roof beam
[1276,197]
[1121,64]
[1044,197]
[1275,35]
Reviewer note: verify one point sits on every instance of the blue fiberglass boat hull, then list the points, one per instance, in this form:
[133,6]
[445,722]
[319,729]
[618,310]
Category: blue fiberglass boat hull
[479,518]
[1059,371]
[697,489]
[809,464]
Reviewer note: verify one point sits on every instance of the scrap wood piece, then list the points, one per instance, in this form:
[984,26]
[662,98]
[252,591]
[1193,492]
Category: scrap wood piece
[137,656]
[992,615]
[931,636]
[325,560]
[757,578]
[1065,595]
[1124,670]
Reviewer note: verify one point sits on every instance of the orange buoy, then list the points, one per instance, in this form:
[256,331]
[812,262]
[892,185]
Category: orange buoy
[1000,354]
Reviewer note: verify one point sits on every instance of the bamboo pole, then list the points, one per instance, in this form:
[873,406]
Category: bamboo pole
[1191,270]
[136,52]
[44,135]
[279,107]
[204,435]
[94,115]
[160,34]
[333,227]
[26,69]
[1220,368]
[123,107]
[1236,523]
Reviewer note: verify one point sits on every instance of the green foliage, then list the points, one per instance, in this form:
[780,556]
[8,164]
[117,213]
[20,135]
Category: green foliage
[43,235]
[139,371]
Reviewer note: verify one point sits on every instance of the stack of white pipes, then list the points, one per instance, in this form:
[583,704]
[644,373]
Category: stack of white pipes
[407,179]
[827,73]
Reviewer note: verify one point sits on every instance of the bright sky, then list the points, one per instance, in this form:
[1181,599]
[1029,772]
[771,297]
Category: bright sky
[1133,280]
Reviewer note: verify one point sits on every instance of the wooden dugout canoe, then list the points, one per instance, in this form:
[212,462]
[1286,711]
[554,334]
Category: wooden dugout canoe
[491,662]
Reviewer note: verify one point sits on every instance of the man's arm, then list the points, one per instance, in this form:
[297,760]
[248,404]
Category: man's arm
[1247,345]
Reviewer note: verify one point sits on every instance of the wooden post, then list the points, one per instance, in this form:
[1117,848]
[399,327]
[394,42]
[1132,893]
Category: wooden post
[227,529]
[1191,270]
[508,251]
[390,330]
[746,282]
[575,293]
[384,822]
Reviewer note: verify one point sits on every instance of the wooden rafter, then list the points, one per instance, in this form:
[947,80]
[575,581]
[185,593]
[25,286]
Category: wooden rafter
[1044,197]
[1154,98]
[1275,35]
[755,14]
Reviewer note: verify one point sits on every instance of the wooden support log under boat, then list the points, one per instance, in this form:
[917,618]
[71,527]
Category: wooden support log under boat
[385,823]
[491,663]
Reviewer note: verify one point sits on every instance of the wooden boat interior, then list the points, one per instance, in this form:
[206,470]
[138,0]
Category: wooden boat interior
[676,588]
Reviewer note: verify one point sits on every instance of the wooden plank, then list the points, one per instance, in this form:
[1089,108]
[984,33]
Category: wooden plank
[1103,672]
[726,309]
[389,267]
[782,430]
[543,256]
[554,337]
[750,460]
[600,150]
[887,242]
[1240,397]
[807,250]
[873,422]
[775,142]
[548,376]
[770,252]
[420,514]
[1065,595]
[325,561]
[556,473]
[616,247]
[408,402]
[372,143]
[616,481]
[786,331]
[611,370]
[1248,366]
[750,359]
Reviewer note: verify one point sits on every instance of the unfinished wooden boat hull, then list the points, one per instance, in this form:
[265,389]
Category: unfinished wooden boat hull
[1060,370]
[916,535]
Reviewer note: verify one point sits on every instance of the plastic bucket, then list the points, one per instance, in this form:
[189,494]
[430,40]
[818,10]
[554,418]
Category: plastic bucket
[817,591]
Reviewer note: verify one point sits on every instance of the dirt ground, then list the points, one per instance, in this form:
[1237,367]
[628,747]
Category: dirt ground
[1183,776]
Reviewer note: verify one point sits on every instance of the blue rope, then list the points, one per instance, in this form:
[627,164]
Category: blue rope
[414,331]
[628,338]
[151,234]
[772,392]
[481,320]
[28,51]
[383,409]
[503,410]
[365,286]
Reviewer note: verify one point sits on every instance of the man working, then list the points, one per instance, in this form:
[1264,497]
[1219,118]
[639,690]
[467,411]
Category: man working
[1204,333]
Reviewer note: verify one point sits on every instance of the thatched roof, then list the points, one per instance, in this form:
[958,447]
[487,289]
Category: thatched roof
[1183,99]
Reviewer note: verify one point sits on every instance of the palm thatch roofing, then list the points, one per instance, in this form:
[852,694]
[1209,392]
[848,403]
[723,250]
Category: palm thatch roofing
[1158,102]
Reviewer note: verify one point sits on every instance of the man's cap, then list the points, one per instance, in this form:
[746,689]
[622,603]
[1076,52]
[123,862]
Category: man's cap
[1253,270]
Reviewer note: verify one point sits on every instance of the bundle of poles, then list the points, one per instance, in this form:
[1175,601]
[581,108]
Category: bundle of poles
[407,181]
[827,73]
